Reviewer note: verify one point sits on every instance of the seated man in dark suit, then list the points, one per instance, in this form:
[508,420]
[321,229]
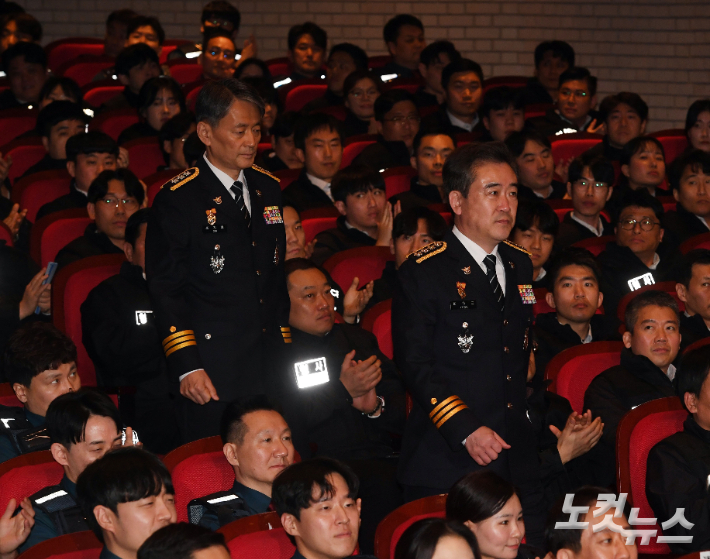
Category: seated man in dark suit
[625,116]
[432,61]
[502,113]
[135,65]
[282,154]
[404,38]
[217,56]
[689,177]
[646,372]
[692,289]
[306,49]
[536,168]
[26,67]
[551,59]
[535,229]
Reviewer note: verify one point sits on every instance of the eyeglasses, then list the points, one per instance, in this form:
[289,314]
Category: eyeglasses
[402,119]
[579,94]
[645,224]
[127,203]
[582,183]
[362,93]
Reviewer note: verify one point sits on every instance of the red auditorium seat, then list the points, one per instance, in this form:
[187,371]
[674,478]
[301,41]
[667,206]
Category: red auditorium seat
[572,145]
[398,179]
[378,320]
[287,176]
[40,188]
[52,233]
[573,369]
[191,97]
[541,306]
[674,142]
[538,109]
[263,146]
[70,288]
[115,121]
[314,225]
[668,202]
[354,145]
[84,68]
[144,156]
[169,45]
[4,84]
[638,431]
[279,66]
[156,180]
[198,469]
[80,545]
[7,396]
[561,207]
[365,263]
[395,523]
[378,61]
[300,94]
[97,93]
[596,245]
[338,111]
[699,241]
[510,81]
[5,234]
[259,535]
[667,286]
[62,51]
[24,152]
[14,122]
[408,84]
[26,474]
[185,71]
[695,345]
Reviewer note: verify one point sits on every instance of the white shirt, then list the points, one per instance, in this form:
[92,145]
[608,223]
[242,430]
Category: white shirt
[705,223]
[671,371]
[599,231]
[479,254]
[461,124]
[320,183]
[541,275]
[581,128]
[546,195]
[588,338]
[656,261]
[228,181]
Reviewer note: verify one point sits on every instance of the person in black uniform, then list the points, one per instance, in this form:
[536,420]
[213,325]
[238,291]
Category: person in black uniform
[677,468]
[462,339]
[121,337]
[646,372]
[40,364]
[689,177]
[184,541]
[536,225]
[360,91]
[172,138]
[282,154]
[551,59]
[693,274]
[306,49]
[404,39]
[536,167]
[502,112]
[215,249]
[433,59]
[257,444]
[135,65]
[26,67]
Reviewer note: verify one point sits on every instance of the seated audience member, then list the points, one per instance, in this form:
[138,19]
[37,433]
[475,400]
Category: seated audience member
[591,540]
[121,338]
[689,177]
[15,528]
[145,29]
[306,49]
[693,278]
[272,103]
[365,216]
[159,100]
[172,138]
[319,147]
[552,58]
[397,120]
[536,167]
[125,497]
[435,538]
[643,166]
[193,149]
[646,371]
[117,31]
[283,146]
[535,229]
[697,125]
[590,185]
[113,197]
[82,426]
[638,257]
[56,123]
[184,541]
[503,113]
[257,444]
[26,67]
[462,82]
[88,154]
[39,364]
[574,108]
[432,61]
[217,56]
[252,68]
[360,91]
[135,65]
[19,27]
[677,468]
[58,88]
[404,39]
[573,293]
[625,116]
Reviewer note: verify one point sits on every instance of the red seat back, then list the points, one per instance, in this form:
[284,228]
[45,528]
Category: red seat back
[366,263]
[26,474]
[674,142]
[572,370]
[84,68]
[537,109]
[314,225]
[698,241]
[287,176]
[24,152]
[97,95]
[595,245]
[302,94]
[114,122]
[80,545]
[8,397]
[378,320]
[541,306]
[510,81]
[407,84]
[191,97]
[667,286]
[354,145]
[259,535]
[279,66]
[62,51]
[53,232]
[572,145]
[337,111]
[14,122]
[34,191]
[378,61]
[398,179]
[169,45]
[5,234]
[637,433]
[144,156]
[185,72]
[156,180]
[71,287]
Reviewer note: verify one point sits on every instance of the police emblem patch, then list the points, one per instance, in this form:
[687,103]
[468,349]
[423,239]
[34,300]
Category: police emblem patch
[184,177]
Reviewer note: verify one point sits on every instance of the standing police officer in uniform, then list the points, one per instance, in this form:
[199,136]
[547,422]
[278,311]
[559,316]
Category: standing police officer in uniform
[462,325]
[215,247]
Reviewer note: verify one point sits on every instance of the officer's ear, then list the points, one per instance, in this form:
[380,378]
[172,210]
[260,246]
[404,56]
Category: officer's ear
[550,299]
[204,132]
[626,338]
[455,200]
[60,454]
[680,291]
[290,524]
[230,453]
[20,392]
[105,518]
[691,402]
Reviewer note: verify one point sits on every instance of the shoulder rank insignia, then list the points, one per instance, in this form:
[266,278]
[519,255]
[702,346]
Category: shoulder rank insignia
[428,251]
[265,172]
[521,249]
[183,178]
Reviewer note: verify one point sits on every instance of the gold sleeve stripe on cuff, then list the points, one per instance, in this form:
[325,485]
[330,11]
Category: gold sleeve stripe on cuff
[433,412]
[449,415]
[177,335]
[180,340]
[285,328]
[179,346]
[288,341]
[443,411]
[286,335]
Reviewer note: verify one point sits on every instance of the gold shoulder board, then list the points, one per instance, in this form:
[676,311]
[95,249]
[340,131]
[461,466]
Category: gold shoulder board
[521,249]
[428,251]
[183,178]
[265,172]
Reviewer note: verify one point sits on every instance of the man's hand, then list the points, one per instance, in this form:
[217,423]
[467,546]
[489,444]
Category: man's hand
[4,167]
[384,227]
[562,169]
[367,402]
[198,387]
[359,377]
[129,439]
[484,445]
[579,436]
[15,530]
[249,50]
[595,128]
[309,248]
[14,219]
[354,301]
[123,160]
[33,294]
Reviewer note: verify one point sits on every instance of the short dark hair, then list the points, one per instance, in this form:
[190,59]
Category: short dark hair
[180,541]
[213,32]
[386,102]
[641,199]
[232,427]
[175,128]
[310,124]
[26,24]
[430,131]
[265,88]
[298,265]
[150,89]
[500,98]
[354,77]
[517,140]
[699,256]
[133,225]
[222,10]
[216,97]
[146,21]
[33,348]
[320,37]
[697,107]
[692,372]
[477,496]
[636,145]
[407,223]
[533,212]
[293,488]
[601,168]
[134,55]
[458,66]
[566,538]
[390,32]
[358,55]
[461,166]
[697,160]
[69,413]
[431,53]
[633,100]
[120,16]
[56,112]
[123,475]
[354,179]
[193,148]
[420,539]
[99,186]
[645,299]
[253,62]
[68,85]
[284,125]
[93,141]
[560,49]
[577,73]
[571,256]
[31,52]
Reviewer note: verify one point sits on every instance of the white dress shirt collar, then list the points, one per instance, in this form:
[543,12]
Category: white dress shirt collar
[228,181]
[462,124]
[599,231]
[479,254]
[320,183]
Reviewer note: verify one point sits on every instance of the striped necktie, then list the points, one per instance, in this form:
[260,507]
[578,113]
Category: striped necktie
[490,261]
[236,189]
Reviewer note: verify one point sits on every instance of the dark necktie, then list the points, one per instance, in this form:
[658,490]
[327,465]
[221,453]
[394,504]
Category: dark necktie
[236,189]
[490,262]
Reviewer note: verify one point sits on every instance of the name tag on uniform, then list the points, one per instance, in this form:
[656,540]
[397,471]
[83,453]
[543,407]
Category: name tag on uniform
[311,373]
[465,305]
[272,215]
[220,228]
[142,317]
[526,294]
[635,283]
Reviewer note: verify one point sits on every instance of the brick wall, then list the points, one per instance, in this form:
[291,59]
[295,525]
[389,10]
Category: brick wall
[660,49]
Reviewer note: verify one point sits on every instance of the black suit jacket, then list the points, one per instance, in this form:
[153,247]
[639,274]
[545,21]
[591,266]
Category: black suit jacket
[440,120]
[303,195]
[683,224]
[571,231]
[75,199]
